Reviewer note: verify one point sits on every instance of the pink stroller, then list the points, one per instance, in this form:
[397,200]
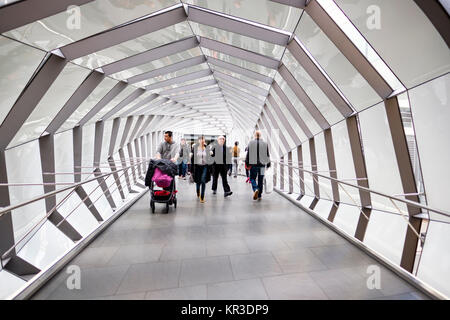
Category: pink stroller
[167,195]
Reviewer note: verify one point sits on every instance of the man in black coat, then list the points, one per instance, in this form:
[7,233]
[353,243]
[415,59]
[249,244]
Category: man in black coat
[221,155]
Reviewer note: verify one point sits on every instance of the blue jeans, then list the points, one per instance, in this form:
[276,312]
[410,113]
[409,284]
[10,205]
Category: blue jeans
[182,168]
[257,173]
[202,183]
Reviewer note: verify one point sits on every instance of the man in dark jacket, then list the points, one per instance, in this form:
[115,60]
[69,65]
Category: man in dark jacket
[257,159]
[222,158]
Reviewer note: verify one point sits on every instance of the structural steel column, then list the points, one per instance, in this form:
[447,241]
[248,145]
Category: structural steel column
[282,173]
[328,136]
[301,175]
[361,175]
[290,172]
[6,225]
[405,169]
[312,153]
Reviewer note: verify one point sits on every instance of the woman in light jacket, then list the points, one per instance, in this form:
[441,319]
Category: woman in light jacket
[200,168]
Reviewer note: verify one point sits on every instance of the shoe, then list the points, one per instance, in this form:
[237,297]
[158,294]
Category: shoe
[202,200]
[198,194]
[259,198]
[255,194]
[214,191]
[229,193]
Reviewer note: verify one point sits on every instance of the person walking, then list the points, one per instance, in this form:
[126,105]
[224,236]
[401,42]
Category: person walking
[221,155]
[200,170]
[257,159]
[235,158]
[183,159]
[247,171]
[168,149]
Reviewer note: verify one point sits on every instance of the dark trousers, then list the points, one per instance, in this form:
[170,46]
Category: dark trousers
[202,184]
[220,169]
[257,173]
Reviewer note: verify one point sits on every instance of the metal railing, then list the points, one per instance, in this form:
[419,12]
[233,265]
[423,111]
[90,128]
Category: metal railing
[72,188]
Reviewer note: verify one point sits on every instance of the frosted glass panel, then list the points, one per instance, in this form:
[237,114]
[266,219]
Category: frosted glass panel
[306,201]
[46,246]
[381,162]
[344,162]
[281,127]
[237,40]
[319,98]
[97,197]
[107,130]
[262,11]
[54,99]
[23,165]
[17,64]
[347,218]
[171,75]
[435,260]
[10,284]
[87,155]
[323,208]
[113,103]
[322,167]
[309,186]
[430,106]
[96,16]
[135,46]
[311,124]
[340,70]
[404,31]
[95,96]
[64,159]
[386,234]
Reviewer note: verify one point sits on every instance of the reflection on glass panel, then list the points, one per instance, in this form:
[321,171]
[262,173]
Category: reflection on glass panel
[17,64]
[171,75]
[113,103]
[306,165]
[322,167]
[237,40]
[159,63]
[177,85]
[54,99]
[381,162]
[430,106]
[95,96]
[262,11]
[257,83]
[135,46]
[23,164]
[87,154]
[386,234]
[306,116]
[94,17]
[340,70]
[289,117]
[239,62]
[345,169]
[401,30]
[358,40]
[435,259]
[319,98]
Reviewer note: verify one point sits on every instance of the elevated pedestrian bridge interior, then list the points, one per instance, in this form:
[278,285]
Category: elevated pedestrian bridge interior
[351,96]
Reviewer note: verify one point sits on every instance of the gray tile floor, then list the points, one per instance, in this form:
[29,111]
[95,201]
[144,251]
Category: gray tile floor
[226,248]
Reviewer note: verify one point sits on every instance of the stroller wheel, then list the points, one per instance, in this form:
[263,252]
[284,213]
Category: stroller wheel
[152,205]
[167,208]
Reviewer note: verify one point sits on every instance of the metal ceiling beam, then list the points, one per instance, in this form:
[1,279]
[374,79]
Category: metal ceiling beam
[438,16]
[125,102]
[240,102]
[35,90]
[301,54]
[189,87]
[293,3]
[293,112]
[241,83]
[242,94]
[234,68]
[349,49]
[150,107]
[127,31]
[150,55]
[240,53]
[302,96]
[21,13]
[180,79]
[284,120]
[141,103]
[237,25]
[83,91]
[167,69]
[118,88]
[196,93]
